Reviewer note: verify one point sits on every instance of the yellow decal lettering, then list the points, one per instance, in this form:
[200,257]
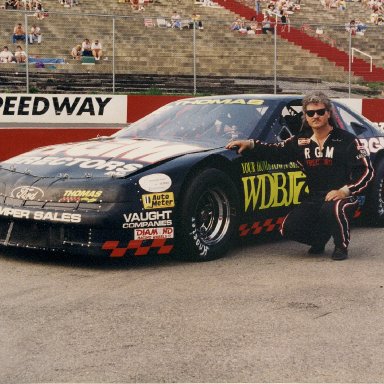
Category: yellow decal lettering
[273,190]
[248,167]
[255,102]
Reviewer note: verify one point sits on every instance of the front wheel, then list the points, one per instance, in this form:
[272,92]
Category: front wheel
[208,216]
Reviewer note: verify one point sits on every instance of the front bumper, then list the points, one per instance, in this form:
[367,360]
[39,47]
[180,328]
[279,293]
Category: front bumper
[90,229]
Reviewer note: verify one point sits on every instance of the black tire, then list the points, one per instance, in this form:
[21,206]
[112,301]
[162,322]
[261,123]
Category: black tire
[208,217]
[375,212]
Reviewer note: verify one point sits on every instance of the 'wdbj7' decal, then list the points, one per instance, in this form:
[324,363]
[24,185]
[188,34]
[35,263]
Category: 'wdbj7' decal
[273,190]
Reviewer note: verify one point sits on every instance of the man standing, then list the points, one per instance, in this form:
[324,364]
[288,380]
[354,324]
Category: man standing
[337,168]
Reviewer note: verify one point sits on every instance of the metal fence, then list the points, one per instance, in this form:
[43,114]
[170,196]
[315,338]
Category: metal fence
[144,52]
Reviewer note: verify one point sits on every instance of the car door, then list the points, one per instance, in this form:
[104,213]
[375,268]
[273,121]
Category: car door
[272,190]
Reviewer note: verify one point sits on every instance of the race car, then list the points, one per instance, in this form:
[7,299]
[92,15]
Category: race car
[167,185]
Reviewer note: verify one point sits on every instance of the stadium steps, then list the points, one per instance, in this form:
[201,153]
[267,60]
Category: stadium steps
[314,45]
[66,83]
[162,51]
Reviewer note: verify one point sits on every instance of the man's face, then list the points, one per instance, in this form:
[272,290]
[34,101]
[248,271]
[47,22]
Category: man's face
[317,115]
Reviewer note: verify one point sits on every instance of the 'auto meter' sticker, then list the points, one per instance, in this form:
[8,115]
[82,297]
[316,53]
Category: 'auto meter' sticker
[157,182]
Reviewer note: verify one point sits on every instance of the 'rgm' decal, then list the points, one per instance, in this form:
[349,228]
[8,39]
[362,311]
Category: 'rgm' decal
[373,145]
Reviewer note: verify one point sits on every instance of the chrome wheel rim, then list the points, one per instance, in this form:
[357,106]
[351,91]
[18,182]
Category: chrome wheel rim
[212,216]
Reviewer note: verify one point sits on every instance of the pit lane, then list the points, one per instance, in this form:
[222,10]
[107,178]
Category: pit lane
[267,312]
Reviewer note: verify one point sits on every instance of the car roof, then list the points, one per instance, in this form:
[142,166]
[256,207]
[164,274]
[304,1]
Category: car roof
[250,96]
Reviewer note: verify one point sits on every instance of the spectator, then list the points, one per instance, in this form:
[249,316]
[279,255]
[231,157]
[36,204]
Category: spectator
[342,5]
[39,12]
[266,25]
[86,48]
[253,27]
[195,22]
[235,26]
[243,27]
[284,20]
[97,50]
[76,52]
[20,55]
[141,5]
[11,4]
[18,33]
[134,5]
[35,35]
[175,20]
[6,56]
[360,27]
[351,27]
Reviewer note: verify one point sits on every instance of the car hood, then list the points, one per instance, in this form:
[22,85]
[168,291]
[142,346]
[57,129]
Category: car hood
[96,158]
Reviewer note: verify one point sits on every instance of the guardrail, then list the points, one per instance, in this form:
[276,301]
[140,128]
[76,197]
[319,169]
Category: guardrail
[365,54]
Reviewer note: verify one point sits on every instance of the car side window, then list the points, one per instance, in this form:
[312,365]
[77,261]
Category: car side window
[353,124]
[289,122]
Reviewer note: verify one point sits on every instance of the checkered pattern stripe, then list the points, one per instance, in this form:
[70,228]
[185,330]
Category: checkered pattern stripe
[140,247]
[259,227]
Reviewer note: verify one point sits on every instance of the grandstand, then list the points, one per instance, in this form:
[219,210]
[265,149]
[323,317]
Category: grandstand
[162,59]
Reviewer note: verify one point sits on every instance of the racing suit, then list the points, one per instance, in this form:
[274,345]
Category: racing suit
[341,164]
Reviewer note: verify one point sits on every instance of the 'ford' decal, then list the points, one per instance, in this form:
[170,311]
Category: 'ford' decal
[27,193]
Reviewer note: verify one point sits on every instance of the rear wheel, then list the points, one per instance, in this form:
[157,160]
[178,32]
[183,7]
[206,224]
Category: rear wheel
[208,216]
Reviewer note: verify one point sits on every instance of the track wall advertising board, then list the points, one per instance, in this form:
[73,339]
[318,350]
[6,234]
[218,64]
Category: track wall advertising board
[63,109]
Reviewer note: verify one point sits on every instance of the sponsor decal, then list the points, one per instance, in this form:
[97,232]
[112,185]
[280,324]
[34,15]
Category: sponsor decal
[259,227]
[158,200]
[81,162]
[140,247]
[61,217]
[318,153]
[304,141]
[157,182]
[26,192]
[264,166]
[220,101]
[380,125]
[75,154]
[317,162]
[362,153]
[147,219]
[273,190]
[79,195]
[372,145]
[201,247]
[154,233]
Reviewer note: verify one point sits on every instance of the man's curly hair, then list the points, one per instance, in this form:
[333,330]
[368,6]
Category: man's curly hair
[316,97]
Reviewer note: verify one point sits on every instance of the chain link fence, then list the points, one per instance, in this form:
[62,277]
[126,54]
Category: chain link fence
[152,53]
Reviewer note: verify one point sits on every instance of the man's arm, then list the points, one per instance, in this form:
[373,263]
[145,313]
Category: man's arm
[281,153]
[361,173]
[361,168]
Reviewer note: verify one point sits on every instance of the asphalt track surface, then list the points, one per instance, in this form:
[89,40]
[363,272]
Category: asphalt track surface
[267,312]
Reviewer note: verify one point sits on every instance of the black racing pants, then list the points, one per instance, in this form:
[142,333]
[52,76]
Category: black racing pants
[315,221]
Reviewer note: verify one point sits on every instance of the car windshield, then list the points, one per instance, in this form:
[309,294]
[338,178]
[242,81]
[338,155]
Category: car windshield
[206,121]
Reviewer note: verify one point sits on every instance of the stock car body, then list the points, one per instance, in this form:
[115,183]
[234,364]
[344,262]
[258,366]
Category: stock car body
[166,184]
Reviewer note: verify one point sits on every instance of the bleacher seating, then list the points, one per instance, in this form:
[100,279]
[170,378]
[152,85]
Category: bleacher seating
[160,51]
